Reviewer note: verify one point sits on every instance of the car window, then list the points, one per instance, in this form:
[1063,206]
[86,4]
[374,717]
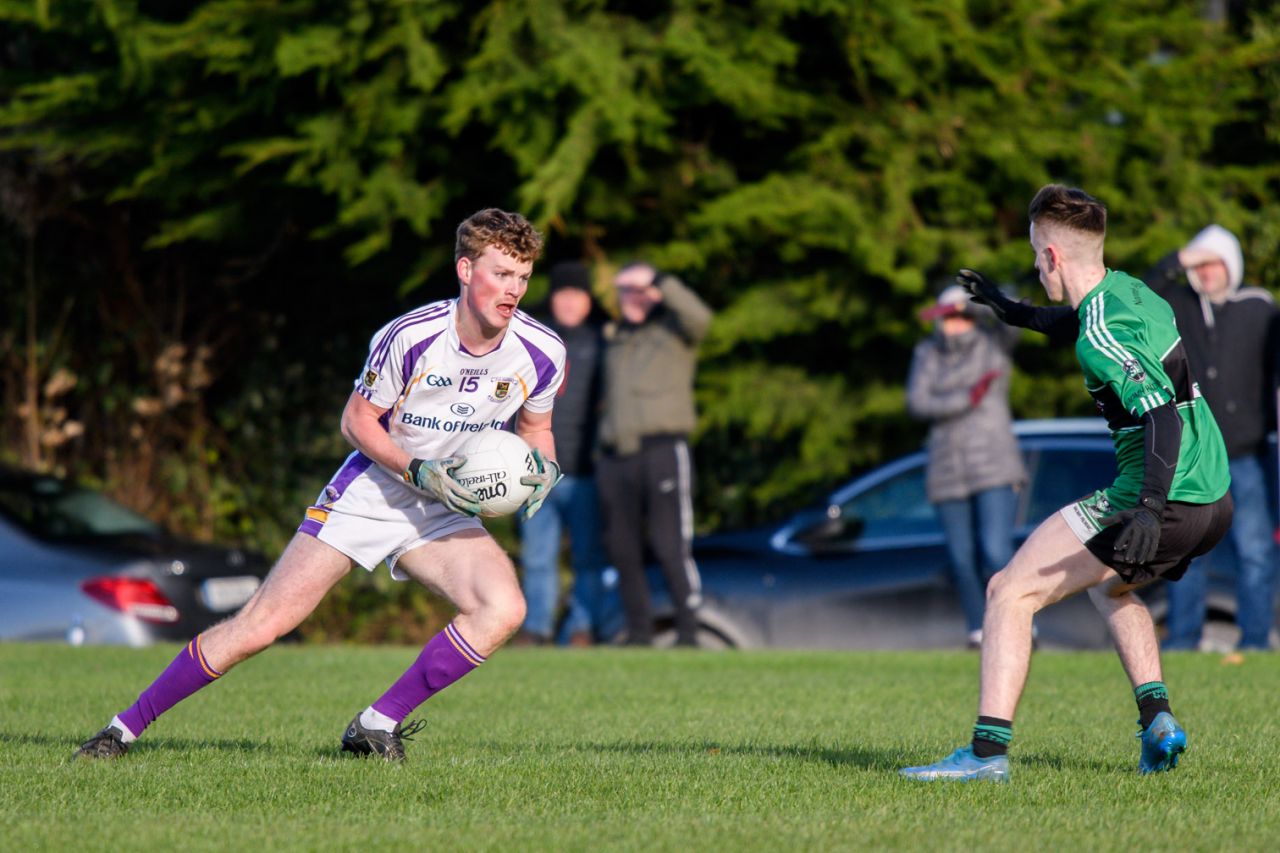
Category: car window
[1061,476]
[51,509]
[896,507]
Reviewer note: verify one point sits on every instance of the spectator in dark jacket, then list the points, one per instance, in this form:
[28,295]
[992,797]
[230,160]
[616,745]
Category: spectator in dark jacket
[579,321]
[959,383]
[1230,334]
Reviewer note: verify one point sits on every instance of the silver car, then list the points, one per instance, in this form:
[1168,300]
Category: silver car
[79,568]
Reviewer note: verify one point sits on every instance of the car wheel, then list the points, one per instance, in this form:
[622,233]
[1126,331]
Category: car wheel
[707,638]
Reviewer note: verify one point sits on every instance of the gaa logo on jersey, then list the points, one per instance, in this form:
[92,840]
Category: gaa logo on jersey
[1133,370]
[370,379]
[501,388]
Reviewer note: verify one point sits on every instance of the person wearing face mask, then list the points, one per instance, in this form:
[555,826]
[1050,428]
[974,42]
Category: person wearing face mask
[1232,337]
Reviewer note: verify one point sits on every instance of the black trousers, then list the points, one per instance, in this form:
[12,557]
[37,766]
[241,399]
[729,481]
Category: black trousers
[648,496]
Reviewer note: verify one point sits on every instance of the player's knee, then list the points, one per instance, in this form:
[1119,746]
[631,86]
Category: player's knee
[255,635]
[510,613]
[1006,589]
[996,587]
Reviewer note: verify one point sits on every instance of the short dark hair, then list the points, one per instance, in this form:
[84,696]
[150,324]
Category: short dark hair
[511,233]
[1058,204]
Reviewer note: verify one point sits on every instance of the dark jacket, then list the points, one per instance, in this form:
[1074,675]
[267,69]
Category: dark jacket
[577,411]
[971,448]
[649,369]
[1233,347]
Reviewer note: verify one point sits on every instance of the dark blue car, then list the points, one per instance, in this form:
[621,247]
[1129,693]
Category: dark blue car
[868,568]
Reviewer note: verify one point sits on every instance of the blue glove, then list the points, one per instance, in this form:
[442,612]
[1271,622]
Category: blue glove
[543,481]
[435,477]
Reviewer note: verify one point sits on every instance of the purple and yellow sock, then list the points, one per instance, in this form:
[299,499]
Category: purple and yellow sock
[446,658]
[187,674]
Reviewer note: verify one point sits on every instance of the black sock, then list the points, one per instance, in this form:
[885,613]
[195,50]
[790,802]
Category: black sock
[1153,697]
[991,736]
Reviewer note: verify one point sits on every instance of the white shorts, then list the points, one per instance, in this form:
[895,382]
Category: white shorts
[371,516]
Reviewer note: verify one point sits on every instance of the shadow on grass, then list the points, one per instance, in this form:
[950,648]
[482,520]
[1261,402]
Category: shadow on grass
[165,744]
[865,757]
[1068,762]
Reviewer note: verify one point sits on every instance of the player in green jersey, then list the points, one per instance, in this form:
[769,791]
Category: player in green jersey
[1168,504]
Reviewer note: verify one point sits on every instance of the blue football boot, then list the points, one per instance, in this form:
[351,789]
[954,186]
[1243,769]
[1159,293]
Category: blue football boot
[1162,743]
[962,766]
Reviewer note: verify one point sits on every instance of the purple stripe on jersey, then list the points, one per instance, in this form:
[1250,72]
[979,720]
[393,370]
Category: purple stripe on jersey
[415,352]
[431,312]
[383,347]
[311,527]
[542,363]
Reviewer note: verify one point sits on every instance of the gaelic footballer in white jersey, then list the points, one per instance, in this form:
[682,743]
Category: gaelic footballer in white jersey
[436,395]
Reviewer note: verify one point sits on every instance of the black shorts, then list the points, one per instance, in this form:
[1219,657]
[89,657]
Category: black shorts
[1186,532]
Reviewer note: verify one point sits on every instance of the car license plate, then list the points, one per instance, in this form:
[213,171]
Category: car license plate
[222,594]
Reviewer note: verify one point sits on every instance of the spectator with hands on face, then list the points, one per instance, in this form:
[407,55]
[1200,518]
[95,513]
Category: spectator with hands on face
[959,384]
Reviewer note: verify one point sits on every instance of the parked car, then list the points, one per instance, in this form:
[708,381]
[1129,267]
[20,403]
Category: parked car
[868,569]
[78,567]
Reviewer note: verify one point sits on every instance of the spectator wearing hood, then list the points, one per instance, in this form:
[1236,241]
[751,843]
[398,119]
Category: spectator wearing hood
[1232,337]
[959,384]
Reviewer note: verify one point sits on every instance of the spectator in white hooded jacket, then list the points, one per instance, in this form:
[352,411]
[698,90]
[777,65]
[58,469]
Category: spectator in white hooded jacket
[1232,337]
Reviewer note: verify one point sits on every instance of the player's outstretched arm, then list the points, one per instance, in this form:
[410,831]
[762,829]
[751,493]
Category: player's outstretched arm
[1060,323]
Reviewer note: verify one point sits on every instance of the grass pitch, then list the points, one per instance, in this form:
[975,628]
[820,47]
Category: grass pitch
[632,750]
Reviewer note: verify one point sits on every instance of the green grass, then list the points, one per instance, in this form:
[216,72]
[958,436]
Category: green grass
[620,750]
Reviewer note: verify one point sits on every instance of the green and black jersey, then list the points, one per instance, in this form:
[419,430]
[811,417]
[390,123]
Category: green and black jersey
[1133,361]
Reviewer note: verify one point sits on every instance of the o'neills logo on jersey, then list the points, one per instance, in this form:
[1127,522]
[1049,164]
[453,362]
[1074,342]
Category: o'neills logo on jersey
[501,388]
[1133,370]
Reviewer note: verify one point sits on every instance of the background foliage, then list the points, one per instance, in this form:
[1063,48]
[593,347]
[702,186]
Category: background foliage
[208,208]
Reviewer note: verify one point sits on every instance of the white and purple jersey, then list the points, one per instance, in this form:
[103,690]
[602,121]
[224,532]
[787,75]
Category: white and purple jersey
[436,394]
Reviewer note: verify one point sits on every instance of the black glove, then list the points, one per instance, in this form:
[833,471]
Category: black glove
[985,293]
[1138,541]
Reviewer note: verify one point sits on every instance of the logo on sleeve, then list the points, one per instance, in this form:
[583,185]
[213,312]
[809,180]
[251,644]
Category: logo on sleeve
[1133,370]
[370,379]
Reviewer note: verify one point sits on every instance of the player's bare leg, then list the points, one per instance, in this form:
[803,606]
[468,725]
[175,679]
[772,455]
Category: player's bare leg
[1050,566]
[1131,628]
[470,570]
[305,571]
[1163,740]
[300,579]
